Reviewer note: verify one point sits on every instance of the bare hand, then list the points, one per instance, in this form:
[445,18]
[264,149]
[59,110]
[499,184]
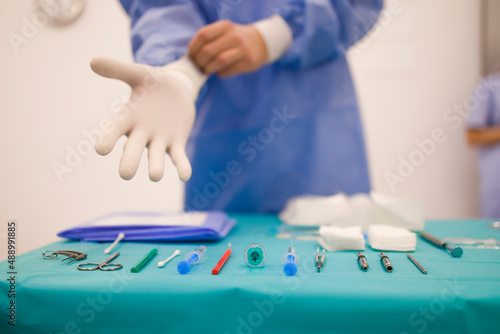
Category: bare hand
[227,48]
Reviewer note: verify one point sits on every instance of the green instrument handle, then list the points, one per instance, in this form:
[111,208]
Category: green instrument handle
[144,261]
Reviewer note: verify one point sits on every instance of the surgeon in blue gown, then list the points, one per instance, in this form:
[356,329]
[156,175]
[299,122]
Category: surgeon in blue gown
[262,135]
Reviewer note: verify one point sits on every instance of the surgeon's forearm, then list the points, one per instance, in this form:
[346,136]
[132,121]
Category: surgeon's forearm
[486,136]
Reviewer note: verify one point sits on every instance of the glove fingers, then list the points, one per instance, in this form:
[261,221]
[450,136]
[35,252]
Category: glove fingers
[132,152]
[110,68]
[107,141]
[156,156]
[181,161]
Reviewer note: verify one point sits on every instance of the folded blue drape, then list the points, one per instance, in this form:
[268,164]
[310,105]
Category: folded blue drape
[154,226]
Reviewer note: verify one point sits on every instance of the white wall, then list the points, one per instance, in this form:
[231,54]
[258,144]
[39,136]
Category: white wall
[49,96]
[422,62]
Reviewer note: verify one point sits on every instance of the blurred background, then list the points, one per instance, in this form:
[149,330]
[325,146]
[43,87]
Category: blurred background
[413,72]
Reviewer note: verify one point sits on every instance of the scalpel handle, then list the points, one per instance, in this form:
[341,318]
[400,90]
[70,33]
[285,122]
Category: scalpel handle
[436,241]
[455,251]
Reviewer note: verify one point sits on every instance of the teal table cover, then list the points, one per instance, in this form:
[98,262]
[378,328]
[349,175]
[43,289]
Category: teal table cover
[458,295]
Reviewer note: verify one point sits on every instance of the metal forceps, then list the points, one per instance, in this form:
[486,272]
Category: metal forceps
[105,266]
[71,254]
[320,259]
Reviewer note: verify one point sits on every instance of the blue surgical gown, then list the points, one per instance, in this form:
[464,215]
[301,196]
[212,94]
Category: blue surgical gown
[291,128]
[485,112]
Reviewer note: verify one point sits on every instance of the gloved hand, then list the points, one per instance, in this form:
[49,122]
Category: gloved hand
[159,115]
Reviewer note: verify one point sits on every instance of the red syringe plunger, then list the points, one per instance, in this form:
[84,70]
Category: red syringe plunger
[223,260]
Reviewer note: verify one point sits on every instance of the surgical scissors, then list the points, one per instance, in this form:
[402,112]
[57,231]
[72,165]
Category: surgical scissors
[105,266]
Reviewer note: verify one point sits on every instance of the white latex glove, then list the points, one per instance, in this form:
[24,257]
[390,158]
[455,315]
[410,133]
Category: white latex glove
[159,115]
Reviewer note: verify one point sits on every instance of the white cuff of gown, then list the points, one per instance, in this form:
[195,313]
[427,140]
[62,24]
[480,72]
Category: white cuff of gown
[277,36]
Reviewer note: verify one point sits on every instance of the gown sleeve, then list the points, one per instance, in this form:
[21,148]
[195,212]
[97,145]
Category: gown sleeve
[480,113]
[324,29]
[162,29]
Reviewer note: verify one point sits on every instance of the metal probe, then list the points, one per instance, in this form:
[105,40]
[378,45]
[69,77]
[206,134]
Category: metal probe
[362,261]
[320,259]
[415,262]
[386,262]
[455,251]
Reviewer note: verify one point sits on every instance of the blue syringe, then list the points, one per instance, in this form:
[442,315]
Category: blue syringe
[193,257]
[290,261]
